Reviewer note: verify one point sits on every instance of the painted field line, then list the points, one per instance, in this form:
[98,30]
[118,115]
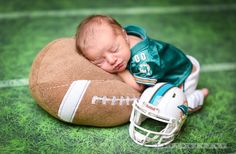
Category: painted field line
[204,68]
[119,11]
[218,67]
[14,83]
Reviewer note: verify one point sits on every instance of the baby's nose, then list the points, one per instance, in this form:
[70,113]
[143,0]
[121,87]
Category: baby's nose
[111,59]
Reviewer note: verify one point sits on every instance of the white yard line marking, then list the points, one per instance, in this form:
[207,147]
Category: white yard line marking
[204,68]
[119,11]
[218,67]
[13,83]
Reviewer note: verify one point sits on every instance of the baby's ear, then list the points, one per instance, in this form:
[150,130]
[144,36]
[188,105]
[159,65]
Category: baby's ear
[125,35]
[124,32]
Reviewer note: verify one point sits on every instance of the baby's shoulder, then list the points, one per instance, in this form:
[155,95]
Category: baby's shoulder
[133,40]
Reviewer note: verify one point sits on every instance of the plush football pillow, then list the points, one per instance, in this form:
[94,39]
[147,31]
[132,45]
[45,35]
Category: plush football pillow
[70,88]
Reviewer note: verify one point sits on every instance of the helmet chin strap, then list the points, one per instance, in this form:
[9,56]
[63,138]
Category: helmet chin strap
[140,137]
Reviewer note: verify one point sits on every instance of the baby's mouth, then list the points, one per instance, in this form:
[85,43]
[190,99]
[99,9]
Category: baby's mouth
[119,66]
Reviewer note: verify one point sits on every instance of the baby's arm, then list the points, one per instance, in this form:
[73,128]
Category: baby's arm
[129,79]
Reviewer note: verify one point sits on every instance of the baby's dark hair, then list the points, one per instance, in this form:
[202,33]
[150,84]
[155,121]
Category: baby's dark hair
[86,28]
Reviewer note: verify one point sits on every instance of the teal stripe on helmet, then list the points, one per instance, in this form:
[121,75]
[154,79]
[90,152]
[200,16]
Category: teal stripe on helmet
[160,92]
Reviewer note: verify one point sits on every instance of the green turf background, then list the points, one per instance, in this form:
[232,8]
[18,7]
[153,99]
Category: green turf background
[208,36]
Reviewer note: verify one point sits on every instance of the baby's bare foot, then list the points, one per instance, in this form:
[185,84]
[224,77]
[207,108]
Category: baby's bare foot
[205,92]
[198,95]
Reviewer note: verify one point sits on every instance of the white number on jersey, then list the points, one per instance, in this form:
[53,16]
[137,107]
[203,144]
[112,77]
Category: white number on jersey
[139,57]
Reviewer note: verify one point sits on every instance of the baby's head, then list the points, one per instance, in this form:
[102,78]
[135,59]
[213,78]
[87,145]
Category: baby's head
[103,41]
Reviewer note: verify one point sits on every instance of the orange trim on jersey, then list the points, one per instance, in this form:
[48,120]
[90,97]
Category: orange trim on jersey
[145,80]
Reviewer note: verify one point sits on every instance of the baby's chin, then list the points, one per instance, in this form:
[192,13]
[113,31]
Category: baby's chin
[121,69]
[117,71]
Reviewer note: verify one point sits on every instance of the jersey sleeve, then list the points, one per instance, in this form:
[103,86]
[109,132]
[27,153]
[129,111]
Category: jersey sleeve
[147,73]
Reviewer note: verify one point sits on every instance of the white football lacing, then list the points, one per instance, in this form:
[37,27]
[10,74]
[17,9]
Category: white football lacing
[114,100]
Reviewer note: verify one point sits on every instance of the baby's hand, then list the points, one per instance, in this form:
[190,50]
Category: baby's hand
[128,78]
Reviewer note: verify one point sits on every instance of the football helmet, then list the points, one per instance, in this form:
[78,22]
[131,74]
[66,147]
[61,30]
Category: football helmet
[163,103]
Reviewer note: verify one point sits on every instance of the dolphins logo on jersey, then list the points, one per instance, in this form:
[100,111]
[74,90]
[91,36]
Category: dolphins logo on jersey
[145,68]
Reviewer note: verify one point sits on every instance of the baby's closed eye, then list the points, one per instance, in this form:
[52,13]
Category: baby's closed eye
[114,50]
[98,61]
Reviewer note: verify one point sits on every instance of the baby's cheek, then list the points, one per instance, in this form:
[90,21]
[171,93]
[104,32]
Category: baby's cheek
[106,68]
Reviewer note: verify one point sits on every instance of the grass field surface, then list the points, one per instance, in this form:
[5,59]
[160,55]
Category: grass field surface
[207,35]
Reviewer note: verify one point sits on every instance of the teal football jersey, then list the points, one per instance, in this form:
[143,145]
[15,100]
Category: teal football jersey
[155,61]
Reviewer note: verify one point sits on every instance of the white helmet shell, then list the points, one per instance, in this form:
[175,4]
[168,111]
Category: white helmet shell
[163,103]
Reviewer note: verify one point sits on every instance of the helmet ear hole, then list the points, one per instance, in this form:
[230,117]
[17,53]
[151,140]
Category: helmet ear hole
[174,95]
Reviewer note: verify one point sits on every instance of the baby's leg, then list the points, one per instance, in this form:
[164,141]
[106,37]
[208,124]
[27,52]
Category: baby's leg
[195,97]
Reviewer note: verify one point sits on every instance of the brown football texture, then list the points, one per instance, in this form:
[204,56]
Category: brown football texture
[71,89]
